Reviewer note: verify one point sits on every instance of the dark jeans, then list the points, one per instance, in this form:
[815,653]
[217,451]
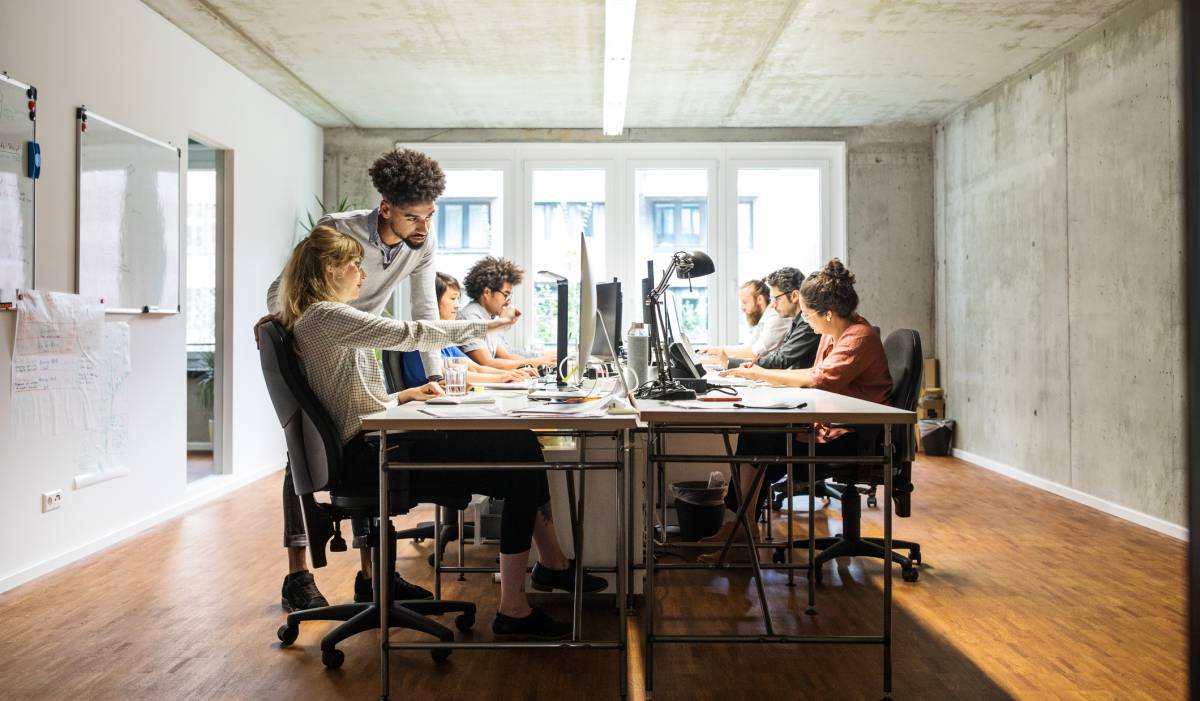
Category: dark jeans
[523,491]
[764,444]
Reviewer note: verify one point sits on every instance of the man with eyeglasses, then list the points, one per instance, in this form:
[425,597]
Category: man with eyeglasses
[489,284]
[768,328]
[395,240]
[799,347]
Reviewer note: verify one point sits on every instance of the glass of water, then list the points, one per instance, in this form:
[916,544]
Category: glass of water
[455,373]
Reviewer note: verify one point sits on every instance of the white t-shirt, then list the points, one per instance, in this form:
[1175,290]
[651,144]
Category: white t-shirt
[768,334]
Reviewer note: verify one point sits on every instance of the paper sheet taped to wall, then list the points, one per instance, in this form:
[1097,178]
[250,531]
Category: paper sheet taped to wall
[68,366]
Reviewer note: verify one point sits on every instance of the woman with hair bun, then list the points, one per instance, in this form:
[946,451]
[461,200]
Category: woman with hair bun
[850,361]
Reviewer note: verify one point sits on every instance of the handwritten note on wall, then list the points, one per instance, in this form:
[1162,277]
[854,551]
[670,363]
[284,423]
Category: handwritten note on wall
[68,368]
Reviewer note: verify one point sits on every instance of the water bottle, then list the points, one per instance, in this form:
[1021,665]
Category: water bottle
[639,351]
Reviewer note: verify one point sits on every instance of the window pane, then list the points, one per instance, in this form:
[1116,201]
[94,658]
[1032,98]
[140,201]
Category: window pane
[564,204]
[672,215]
[452,226]
[201,259]
[468,190]
[779,223]
[479,225]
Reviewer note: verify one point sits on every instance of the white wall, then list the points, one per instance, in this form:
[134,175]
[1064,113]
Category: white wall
[1059,245]
[129,64]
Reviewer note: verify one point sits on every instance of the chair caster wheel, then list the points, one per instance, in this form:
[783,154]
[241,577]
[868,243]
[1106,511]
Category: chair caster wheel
[464,622]
[778,557]
[418,541]
[872,502]
[911,574]
[332,659]
[430,560]
[287,634]
[440,654]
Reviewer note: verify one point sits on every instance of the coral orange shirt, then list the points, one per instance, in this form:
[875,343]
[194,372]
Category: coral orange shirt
[854,365]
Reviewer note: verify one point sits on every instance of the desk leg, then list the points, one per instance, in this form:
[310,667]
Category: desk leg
[630,473]
[888,451]
[576,508]
[462,544]
[383,580]
[437,552]
[648,556]
[812,522]
[791,494]
[619,483]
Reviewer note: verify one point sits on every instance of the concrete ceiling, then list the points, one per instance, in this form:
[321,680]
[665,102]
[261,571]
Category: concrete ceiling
[696,63]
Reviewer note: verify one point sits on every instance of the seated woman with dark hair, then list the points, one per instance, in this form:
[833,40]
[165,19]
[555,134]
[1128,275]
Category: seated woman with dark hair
[336,344]
[850,361]
[448,292]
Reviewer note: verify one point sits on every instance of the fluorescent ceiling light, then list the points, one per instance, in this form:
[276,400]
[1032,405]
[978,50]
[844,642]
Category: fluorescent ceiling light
[618,45]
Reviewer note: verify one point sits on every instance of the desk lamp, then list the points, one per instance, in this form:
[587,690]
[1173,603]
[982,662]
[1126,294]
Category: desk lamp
[685,265]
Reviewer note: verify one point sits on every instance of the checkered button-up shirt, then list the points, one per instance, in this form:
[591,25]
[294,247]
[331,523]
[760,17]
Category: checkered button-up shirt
[336,345]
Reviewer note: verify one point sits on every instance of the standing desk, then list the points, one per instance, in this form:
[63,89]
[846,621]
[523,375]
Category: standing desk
[662,418]
[409,417]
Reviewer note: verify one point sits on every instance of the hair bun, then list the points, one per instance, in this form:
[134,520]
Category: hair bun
[837,271]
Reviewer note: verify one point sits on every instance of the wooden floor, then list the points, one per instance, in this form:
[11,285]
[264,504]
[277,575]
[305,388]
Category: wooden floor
[1022,595]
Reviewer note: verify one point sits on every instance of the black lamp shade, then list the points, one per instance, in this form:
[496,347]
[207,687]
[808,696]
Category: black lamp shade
[701,264]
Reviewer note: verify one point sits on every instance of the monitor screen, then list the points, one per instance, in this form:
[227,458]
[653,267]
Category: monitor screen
[608,303]
[587,310]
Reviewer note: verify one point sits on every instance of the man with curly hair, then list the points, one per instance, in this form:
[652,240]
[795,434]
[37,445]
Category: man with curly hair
[489,283]
[395,239]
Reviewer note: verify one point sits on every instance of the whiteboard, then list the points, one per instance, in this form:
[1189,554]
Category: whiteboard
[128,217]
[17,129]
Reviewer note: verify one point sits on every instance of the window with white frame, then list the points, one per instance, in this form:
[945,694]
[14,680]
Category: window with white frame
[777,204]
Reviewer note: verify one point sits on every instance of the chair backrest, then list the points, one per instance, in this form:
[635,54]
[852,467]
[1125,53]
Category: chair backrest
[313,447]
[905,363]
[393,371]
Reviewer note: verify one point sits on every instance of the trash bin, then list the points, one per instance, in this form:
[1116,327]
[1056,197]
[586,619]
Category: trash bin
[700,508]
[936,435]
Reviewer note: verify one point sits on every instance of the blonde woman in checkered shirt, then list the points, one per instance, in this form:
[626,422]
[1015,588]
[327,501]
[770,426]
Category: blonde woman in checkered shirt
[336,346]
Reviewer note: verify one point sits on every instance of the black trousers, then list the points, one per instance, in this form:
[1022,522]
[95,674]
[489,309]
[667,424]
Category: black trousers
[523,491]
[764,444]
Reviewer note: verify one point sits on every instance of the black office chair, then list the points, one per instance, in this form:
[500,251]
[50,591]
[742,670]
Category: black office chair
[315,456]
[393,378]
[905,362]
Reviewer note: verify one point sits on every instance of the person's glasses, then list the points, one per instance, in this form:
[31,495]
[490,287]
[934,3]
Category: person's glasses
[507,295]
[775,298]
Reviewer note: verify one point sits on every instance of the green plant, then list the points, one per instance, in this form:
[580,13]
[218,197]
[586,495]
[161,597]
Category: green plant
[205,378]
[309,222]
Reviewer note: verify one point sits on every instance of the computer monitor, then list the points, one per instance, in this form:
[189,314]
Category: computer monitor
[587,310]
[608,304]
[674,328]
[603,335]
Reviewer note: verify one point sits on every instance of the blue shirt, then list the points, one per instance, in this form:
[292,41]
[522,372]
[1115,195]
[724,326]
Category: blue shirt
[413,371]
[389,252]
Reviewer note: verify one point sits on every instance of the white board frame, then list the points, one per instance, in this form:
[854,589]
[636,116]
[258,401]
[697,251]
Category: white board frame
[31,94]
[83,114]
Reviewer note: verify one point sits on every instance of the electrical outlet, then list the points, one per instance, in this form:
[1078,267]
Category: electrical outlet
[51,500]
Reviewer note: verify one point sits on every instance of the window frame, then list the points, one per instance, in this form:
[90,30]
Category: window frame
[620,161]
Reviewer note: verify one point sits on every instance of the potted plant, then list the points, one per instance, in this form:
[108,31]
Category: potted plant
[206,374]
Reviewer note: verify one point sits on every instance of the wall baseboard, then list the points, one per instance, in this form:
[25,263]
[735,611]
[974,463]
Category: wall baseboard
[1123,512]
[208,490]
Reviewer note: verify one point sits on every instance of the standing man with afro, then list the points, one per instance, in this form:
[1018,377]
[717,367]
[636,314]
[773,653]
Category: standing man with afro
[396,244]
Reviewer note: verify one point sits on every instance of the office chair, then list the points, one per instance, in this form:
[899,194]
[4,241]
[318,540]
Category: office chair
[905,361]
[393,378]
[315,456]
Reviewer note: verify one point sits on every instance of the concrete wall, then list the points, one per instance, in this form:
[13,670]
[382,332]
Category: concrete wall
[889,196]
[129,64]
[1059,246]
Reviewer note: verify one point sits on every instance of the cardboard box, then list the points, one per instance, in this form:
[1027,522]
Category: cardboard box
[929,377]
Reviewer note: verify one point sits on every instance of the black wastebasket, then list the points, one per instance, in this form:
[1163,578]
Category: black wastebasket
[700,509]
[936,436]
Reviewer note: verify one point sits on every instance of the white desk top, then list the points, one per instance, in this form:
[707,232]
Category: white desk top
[822,407]
[409,417]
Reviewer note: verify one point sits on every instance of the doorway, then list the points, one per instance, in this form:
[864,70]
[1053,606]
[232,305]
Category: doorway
[205,234]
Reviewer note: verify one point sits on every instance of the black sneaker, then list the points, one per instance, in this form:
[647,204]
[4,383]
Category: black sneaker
[535,625]
[546,579]
[300,592]
[402,590]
